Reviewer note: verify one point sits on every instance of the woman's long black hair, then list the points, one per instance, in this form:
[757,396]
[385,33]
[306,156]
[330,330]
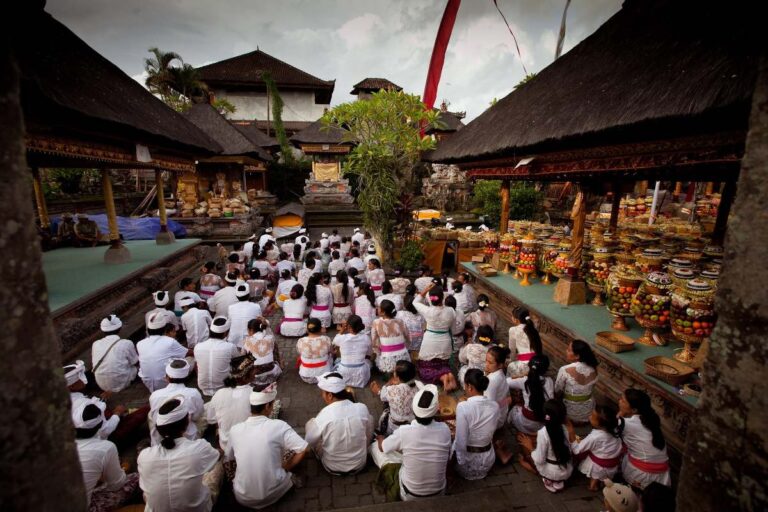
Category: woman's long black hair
[554,418]
[296,252]
[311,292]
[343,279]
[641,402]
[584,352]
[524,317]
[368,292]
[534,384]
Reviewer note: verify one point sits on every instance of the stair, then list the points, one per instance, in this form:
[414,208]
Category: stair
[327,217]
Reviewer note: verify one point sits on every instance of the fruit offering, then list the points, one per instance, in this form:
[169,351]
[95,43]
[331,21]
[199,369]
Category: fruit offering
[650,260]
[547,257]
[681,276]
[526,258]
[710,276]
[620,287]
[692,314]
[678,263]
[561,262]
[650,306]
[599,267]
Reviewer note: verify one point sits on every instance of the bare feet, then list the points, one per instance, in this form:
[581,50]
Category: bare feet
[502,453]
[594,485]
[526,465]
[449,382]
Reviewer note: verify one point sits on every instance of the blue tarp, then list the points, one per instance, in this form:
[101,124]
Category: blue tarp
[145,228]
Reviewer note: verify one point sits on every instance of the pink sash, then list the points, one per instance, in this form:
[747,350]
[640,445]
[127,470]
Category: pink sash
[526,357]
[392,348]
[320,308]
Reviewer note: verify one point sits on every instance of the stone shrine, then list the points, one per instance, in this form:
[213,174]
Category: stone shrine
[447,188]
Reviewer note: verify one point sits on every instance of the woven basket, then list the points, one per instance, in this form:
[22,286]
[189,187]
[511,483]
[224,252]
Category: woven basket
[614,341]
[669,370]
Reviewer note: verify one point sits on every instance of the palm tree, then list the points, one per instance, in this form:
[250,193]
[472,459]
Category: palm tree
[185,81]
[159,72]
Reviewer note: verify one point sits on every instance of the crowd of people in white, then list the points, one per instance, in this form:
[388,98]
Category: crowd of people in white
[425,337]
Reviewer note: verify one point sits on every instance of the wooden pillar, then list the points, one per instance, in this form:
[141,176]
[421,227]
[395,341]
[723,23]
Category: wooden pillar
[504,222]
[710,188]
[164,237]
[642,188]
[615,205]
[721,223]
[42,208]
[678,188]
[117,252]
[263,181]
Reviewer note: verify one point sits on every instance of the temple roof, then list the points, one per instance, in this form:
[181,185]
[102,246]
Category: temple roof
[248,69]
[319,133]
[656,69]
[374,85]
[68,88]
[256,136]
[216,126]
[447,122]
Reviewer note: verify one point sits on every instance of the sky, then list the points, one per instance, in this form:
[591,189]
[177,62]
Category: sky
[346,40]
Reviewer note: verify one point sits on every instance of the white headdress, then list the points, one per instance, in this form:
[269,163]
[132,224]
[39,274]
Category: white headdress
[157,321]
[431,409]
[77,415]
[75,372]
[242,290]
[174,415]
[264,396]
[220,325]
[331,382]
[111,323]
[182,372]
[161,298]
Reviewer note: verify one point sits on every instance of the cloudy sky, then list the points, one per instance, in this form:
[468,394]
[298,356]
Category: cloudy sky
[346,40]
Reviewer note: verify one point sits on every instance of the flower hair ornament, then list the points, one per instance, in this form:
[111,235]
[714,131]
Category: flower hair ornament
[547,417]
[482,303]
[527,318]
[484,339]
[500,345]
[434,297]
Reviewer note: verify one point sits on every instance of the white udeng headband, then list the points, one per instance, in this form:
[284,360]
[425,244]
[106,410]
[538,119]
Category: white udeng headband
[431,410]
[77,416]
[175,415]
[265,396]
[177,373]
[331,384]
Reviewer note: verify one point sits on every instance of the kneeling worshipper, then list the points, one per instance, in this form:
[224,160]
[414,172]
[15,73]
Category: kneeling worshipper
[120,427]
[599,454]
[437,343]
[176,372]
[106,484]
[213,357]
[179,473]
[115,360]
[240,314]
[424,447]
[340,433]
[265,450]
[155,351]
[314,352]
[260,343]
[219,304]
[195,322]
[230,405]
[397,396]
[162,302]
[550,457]
[354,347]
[475,424]
[389,337]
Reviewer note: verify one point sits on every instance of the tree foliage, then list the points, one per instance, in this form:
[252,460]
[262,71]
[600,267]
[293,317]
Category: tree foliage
[223,106]
[525,202]
[286,149]
[388,144]
[176,83]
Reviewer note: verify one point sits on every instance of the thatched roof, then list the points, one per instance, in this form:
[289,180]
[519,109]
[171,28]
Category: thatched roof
[256,136]
[374,85]
[248,69]
[446,122]
[68,88]
[216,126]
[657,68]
[319,133]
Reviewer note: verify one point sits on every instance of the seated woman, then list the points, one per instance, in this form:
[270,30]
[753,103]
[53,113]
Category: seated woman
[397,395]
[599,454]
[476,420]
[375,276]
[295,310]
[524,343]
[229,405]
[314,352]
[412,320]
[258,288]
[340,433]
[646,459]
[260,343]
[389,337]
[189,469]
[343,296]
[473,355]
[483,315]
[364,305]
[457,328]
[387,293]
[354,349]
[550,458]
[576,380]
[319,300]
[437,344]
[537,388]
[284,287]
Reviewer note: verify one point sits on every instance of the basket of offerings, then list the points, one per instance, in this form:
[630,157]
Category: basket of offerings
[668,370]
[620,286]
[614,341]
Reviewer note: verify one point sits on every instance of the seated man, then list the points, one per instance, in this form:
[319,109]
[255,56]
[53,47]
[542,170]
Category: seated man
[176,373]
[86,231]
[213,357]
[340,434]
[99,461]
[265,451]
[162,300]
[156,350]
[65,233]
[115,360]
[425,446]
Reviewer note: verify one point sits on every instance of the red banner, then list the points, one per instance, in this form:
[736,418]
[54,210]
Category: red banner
[438,53]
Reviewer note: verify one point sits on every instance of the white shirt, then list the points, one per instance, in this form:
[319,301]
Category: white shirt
[324,243]
[239,316]
[476,420]
[544,452]
[108,426]
[358,237]
[263,239]
[248,249]
[285,265]
[227,408]
[170,316]
[421,283]
[334,266]
[426,450]
[99,462]
[334,238]
[118,366]
[154,354]
[195,323]
[213,357]
[439,319]
[258,445]
[396,299]
[340,434]
[222,299]
[358,264]
[172,480]
[265,268]
[497,392]
[194,402]
[284,289]
[184,295]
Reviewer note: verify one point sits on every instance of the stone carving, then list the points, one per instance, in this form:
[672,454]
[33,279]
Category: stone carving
[447,188]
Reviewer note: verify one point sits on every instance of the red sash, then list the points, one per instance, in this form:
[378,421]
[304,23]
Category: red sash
[530,415]
[526,357]
[340,305]
[299,362]
[320,308]
[648,467]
